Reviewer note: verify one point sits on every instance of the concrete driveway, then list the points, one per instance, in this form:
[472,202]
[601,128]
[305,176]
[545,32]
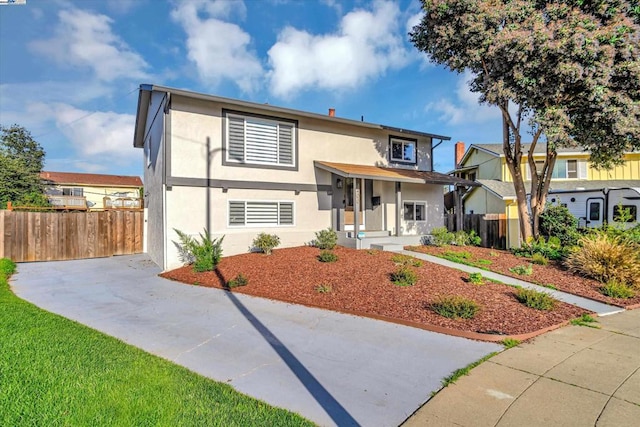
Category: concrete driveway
[332,368]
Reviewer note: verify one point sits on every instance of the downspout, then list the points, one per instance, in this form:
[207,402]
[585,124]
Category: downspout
[165,175]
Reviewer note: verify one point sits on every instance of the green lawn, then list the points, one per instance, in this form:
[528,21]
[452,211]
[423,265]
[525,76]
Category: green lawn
[56,372]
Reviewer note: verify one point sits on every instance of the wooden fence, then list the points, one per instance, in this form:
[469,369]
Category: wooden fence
[492,228]
[50,236]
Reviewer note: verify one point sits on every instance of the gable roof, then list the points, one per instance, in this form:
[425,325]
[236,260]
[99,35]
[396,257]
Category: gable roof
[145,94]
[496,150]
[348,170]
[93,179]
[506,191]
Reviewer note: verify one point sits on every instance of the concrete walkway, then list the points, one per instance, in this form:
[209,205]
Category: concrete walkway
[332,368]
[573,376]
[599,308]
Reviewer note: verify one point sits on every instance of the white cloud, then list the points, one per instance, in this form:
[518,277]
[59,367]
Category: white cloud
[86,40]
[465,108]
[366,45]
[220,50]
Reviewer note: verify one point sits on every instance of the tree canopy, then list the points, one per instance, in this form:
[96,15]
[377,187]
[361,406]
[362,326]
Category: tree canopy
[571,67]
[21,161]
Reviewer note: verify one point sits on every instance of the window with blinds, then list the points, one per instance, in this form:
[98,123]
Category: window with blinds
[260,213]
[257,140]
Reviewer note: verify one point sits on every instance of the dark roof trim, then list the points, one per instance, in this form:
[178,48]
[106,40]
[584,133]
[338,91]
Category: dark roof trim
[147,88]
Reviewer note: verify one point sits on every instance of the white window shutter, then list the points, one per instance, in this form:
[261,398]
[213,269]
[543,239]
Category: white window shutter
[582,169]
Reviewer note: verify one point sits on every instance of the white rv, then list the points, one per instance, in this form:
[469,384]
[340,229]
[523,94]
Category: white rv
[593,207]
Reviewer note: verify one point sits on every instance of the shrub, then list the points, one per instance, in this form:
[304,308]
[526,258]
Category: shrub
[239,280]
[557,221]
[442,236]
[550,249]
[327,256]
[522,270]
[455,306]
[606,257]
[539,259]
[204,254]
[458,254]
[404,276]
[7,267]
[266,242]
[326,239]
[615,289]
[534,299]
[323,289]
[476,278]
[403,259]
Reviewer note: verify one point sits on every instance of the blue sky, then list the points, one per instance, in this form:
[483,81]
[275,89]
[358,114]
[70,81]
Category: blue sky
[70,70]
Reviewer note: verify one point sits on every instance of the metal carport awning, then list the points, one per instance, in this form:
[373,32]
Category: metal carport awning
[380,173]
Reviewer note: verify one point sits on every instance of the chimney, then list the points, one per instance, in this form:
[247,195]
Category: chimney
[459,152]
[332,112]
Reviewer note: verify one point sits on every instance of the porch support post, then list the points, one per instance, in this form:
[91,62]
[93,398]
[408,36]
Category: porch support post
[398,208]
[458,210]
[356,206]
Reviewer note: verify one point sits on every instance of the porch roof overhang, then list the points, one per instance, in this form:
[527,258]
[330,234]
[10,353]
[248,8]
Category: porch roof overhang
[380,173]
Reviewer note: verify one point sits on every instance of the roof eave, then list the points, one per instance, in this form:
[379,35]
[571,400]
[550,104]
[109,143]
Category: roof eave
[144,95]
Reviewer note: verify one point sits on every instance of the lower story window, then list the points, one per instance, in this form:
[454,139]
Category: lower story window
[73,192]
[260,213]
[415,211]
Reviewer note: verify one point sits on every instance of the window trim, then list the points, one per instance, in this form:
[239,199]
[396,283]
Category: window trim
[402,140]
[260,225]
[415,202]
[225,132]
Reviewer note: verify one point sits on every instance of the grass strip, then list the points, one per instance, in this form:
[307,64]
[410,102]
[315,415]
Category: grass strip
[54,371]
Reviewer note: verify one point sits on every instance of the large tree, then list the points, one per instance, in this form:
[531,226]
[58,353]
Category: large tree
[569,70]
[21,161]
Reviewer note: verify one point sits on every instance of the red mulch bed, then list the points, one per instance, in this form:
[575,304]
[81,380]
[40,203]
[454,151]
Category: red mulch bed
[360,284]
[553,273]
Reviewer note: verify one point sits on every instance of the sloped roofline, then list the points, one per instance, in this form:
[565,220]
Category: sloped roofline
[146,89]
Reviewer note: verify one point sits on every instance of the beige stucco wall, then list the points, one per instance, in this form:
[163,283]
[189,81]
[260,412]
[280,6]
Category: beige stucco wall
[194,122]
[433,195]
[187,211]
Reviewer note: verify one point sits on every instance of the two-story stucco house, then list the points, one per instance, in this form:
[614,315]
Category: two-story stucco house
[240,168]
[591,195]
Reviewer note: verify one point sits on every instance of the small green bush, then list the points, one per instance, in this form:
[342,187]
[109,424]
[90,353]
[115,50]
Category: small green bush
[455,306]
[323,289]
[327,256]
[266,242]
[551,249]
[442,236]
[404,276]
[403,259]
[557,221]
[615,289]
[239,280]
[539,259]
[534,299]
[7,267]
[204,254]
[464,255]
[476,278]
[326,239]
[522,270]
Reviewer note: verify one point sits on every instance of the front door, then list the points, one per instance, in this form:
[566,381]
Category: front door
[595,212]
[349,196]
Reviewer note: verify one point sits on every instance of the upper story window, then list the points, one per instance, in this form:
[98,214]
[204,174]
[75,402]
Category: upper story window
[564,169]
[403,150]
[260,140]
[79,192]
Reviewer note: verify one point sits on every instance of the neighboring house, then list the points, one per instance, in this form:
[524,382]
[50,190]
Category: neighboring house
[70,190]
[590,194]
[239,168]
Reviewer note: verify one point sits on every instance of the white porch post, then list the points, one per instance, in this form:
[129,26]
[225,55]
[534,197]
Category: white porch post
[398,208]
[356,206]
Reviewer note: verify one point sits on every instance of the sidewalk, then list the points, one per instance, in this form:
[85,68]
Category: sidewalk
[573,376]
[601,309]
